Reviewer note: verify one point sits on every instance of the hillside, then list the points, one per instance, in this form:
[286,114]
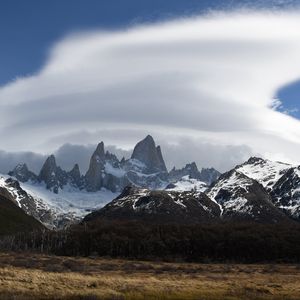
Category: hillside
[13,219]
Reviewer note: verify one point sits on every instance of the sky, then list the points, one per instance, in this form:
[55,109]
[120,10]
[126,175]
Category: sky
[213,81]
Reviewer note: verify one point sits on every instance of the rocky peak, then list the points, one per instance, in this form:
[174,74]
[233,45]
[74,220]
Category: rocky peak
[75,172]
[209,175]
[22,173]
[49,168]
[93,177]
[75,176]
[193,170]
[146,152]
[52,175]
[205,175]
[100,151]
[190,170]
[255,160]
[161,159]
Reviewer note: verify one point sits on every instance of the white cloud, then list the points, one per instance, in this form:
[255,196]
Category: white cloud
[210,80]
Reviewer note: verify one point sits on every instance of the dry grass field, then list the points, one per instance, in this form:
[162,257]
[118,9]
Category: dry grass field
[29,276]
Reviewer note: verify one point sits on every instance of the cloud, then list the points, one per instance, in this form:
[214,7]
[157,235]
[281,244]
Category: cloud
[209,80]
[8,160]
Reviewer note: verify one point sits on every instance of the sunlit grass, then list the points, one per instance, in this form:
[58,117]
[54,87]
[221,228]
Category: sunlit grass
[25,276]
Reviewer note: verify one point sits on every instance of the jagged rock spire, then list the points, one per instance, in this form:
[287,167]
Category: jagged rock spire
[100,150]
[22,173]
[146,152]
[54,177]
[75,172]
[93,177]
[48,169]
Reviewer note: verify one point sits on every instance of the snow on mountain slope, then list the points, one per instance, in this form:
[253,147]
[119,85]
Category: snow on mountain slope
[69,199]
[226,191]
[286,192]
[187,184]
[266,172]
[158,206]
[54,210]
[243,198]
[281,180]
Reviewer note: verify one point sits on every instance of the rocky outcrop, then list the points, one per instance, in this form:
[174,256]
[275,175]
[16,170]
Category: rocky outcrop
[147,153]
[53,176]
[21,173]
[207,176]
[104,172]
[94,175]
[75,177]
[286,192]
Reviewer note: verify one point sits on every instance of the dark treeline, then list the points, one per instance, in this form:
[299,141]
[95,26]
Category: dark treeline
[245,243]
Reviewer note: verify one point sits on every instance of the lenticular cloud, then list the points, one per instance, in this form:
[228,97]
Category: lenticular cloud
[210,78]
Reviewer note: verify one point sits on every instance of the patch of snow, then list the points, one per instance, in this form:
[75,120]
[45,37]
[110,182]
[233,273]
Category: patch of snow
[238,205]
[266,172]
[70,200]
[117,172]
[188,184]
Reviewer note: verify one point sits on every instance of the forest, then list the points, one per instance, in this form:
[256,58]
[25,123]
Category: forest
[222,242]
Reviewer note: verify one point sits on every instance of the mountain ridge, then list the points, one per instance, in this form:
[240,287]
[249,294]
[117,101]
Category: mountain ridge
[146,168]
[257,190]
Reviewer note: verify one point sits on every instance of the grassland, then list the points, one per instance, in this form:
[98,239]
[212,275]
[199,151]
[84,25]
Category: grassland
[28,276]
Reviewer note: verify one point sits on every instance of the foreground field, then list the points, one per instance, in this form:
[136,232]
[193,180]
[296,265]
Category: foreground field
[25,276]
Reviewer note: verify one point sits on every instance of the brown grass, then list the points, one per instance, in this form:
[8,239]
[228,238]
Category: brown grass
[25,276]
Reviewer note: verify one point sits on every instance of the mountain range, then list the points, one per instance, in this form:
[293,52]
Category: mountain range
[57,197]
[141,188]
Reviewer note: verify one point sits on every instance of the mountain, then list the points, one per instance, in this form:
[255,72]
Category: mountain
[158,206]
[22,173]
[150,155]
[265,171]
[13,219]
[146,168]
[186,183]
[242,198]
[258,190]
[57,197]
[286,192]
[104,172]
[234,197]
[36,201]
[205,175]
[281,180]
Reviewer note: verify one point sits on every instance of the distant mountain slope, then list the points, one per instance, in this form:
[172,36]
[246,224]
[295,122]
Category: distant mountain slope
[13,219]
